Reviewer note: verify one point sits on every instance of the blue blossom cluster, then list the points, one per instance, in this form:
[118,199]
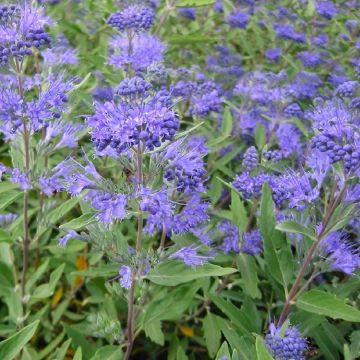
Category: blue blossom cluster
[203,95]
[42,110]
[342,254]
[335,122]
[134,118]
[290,345]
[133,18]
[22,28]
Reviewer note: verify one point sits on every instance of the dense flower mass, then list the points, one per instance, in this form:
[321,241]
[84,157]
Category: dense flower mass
[22,29]
[185,171]
[134,17]
[123,123]
[289,345]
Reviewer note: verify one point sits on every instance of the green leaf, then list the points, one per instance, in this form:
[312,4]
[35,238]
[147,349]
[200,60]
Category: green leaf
[294,227]
[261,350]
[78,339]
[153,331]
[239,215]
[277,252]
[310,9]
[7,198]
[78,354]
[10,347]
[212,334]
[108,352]
[323,303]
[80,222]
[194,3]
[247,268]
[60,211]
[260,136]
[190,39]
[61,351]
[236,342]
[227,123]
[175,273]
[46,290]
[232,312]
[223,351]
[5,237]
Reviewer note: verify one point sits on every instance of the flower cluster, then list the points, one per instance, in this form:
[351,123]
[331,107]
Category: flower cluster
[289,345]
[22,28]
[134,118]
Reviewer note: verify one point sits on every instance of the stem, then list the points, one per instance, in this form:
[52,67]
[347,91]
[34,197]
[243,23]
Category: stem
[26,140]
[163,238]
[169,8]
[294,291]
[131,296]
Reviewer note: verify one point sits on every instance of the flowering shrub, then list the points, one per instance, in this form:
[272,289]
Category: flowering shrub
[179,179]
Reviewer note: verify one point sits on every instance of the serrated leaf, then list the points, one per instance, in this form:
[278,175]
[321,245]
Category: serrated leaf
[175,273]
[323,303]
[153,331]
[10,347]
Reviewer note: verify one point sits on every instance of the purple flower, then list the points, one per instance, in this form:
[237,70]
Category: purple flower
[231,237]
[252,242]
[124,123]
[238,19]
[273,54]
[250,186]
[186,167]
[310,59]
[304,86]
[110,207]
[290,345]
[19,177]
[288,136]
[21,31]
[159,208]
[61,53]
[287,31]
[193,214]
[326,9]
[347,89]
[71,234]
[251,159]
[300,189]
[341,254]
[134,18]
[6,219]
[190,256]
[145,49]
[188,12]
[125,274]
[3,170]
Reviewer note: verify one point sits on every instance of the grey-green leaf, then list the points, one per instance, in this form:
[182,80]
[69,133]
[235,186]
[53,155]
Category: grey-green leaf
[323,303]
[10,347]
